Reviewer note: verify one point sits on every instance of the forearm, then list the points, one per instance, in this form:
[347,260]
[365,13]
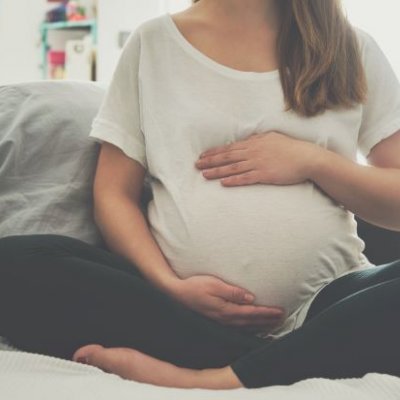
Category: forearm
[372,193]
[126,232]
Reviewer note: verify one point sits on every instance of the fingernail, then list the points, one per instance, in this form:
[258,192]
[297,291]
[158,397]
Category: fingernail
[248,297]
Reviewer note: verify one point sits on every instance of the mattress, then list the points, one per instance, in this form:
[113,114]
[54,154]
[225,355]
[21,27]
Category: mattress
[30,376]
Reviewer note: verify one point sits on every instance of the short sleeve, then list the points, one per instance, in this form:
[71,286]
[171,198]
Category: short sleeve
[118,120]
[381,112]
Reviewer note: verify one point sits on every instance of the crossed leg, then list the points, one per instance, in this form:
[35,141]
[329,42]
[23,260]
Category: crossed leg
[58,294]
[351,329]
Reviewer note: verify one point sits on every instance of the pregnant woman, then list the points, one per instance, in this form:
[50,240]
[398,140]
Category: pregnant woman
[246,269]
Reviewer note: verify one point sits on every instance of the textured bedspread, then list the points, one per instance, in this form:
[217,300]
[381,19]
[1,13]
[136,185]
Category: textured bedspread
[25,376]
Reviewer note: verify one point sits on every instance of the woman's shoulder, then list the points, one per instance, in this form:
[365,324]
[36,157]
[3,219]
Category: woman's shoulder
[148,34]
[151,26]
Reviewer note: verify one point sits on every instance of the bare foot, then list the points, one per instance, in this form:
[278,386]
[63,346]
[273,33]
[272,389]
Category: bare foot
[134,365]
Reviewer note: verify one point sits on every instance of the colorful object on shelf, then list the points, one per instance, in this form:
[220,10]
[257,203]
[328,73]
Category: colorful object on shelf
[67,11]
[71,16]
[56,62]
[75,12]
[57,14]
[56,57]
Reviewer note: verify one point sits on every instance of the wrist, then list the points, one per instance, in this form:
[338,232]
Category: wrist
[169,284]
[318,157]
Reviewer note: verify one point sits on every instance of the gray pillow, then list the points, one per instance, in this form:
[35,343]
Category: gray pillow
[47,161]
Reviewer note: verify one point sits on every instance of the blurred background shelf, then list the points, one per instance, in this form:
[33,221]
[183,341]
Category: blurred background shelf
[83,28]
[70,25]
[27,35]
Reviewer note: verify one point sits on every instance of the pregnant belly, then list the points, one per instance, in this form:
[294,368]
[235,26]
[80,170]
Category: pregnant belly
[279,242]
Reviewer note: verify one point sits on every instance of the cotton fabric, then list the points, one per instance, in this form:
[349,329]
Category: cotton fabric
[168,102]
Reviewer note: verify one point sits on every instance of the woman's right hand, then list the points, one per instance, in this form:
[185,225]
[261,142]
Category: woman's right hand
[225,303]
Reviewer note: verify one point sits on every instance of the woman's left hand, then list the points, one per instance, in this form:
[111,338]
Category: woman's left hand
[269,158]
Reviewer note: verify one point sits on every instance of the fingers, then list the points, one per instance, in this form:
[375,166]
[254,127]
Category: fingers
[227,170]
[236,308]
[252,325]
[249,316]
[219,159]
[253,312]
[247,178]
[234,294]
[222,149]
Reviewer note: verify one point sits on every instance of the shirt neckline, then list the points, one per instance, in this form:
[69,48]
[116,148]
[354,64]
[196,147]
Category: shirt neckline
[209,62]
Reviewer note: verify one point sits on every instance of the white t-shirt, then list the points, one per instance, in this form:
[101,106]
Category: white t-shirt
[168,102]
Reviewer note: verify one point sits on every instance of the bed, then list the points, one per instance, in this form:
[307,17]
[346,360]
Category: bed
[47,165]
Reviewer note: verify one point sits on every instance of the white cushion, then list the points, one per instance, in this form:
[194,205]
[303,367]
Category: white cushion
[47,161]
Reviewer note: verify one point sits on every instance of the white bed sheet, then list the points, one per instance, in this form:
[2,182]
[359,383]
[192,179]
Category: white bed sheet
[27,376]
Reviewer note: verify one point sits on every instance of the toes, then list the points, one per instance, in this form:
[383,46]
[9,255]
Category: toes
[109,360]
[85,353]
[120,361]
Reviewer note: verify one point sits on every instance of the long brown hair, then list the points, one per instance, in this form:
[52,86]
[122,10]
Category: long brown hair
[319,58]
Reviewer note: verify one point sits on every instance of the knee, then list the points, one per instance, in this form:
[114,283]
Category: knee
[11,245]
[391,293]
[389,271]
[395,263]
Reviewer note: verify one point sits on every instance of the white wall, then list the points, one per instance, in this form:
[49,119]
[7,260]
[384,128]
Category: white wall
[19,39]
[381,20]
[174,5]
[125,15]
[115,16]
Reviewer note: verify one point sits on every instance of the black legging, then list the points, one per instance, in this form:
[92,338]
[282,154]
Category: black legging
[58,294]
